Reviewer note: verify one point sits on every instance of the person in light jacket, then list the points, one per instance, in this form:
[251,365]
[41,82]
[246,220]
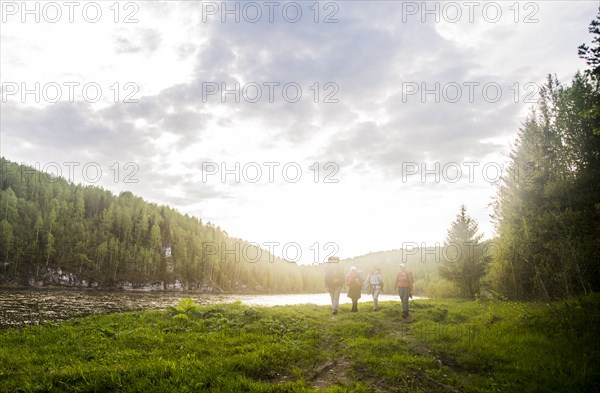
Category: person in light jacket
[375,283]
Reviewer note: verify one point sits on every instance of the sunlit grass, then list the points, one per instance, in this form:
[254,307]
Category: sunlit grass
[445,346]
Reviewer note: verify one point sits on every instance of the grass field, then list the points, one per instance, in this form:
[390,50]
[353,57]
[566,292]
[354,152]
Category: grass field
[444,346]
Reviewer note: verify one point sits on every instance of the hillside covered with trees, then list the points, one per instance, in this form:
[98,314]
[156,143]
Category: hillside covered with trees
[56,232]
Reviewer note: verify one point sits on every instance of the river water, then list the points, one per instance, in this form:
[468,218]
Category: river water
[20,307]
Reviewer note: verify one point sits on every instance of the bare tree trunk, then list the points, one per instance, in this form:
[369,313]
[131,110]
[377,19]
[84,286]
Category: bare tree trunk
[541,281]
[48,256]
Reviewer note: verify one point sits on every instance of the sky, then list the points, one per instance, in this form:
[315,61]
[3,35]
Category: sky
[310,128]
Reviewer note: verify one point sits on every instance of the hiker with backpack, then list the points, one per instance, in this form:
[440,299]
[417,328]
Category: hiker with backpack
[404,285]
[354,282]
[375,283]
[334,281]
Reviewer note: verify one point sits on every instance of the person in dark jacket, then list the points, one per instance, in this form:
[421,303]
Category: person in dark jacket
[354,282]
[334,281]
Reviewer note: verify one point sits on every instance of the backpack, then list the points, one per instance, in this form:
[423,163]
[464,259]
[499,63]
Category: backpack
[374,279]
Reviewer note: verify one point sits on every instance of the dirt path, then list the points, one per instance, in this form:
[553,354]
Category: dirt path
[340,370]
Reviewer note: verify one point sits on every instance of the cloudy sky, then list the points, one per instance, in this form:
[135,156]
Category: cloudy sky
[332,126]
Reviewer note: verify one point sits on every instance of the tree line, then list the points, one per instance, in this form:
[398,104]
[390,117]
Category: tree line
[49,225]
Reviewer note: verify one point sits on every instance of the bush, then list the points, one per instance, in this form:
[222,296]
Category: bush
[442,289]
[186,307]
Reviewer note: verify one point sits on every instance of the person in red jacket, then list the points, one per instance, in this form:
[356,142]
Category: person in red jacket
[404,285]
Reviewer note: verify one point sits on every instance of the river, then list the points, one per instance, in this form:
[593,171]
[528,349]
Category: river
[23,307]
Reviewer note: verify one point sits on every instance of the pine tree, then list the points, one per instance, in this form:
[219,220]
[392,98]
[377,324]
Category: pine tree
[592,54]
[463,263]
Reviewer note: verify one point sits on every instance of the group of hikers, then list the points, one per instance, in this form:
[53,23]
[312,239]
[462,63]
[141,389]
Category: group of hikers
[336,280]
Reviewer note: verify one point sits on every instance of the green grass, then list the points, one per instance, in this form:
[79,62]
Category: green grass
[450,345]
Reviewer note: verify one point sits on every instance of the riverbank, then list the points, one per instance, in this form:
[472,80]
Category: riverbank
[444,346]
[30,307]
